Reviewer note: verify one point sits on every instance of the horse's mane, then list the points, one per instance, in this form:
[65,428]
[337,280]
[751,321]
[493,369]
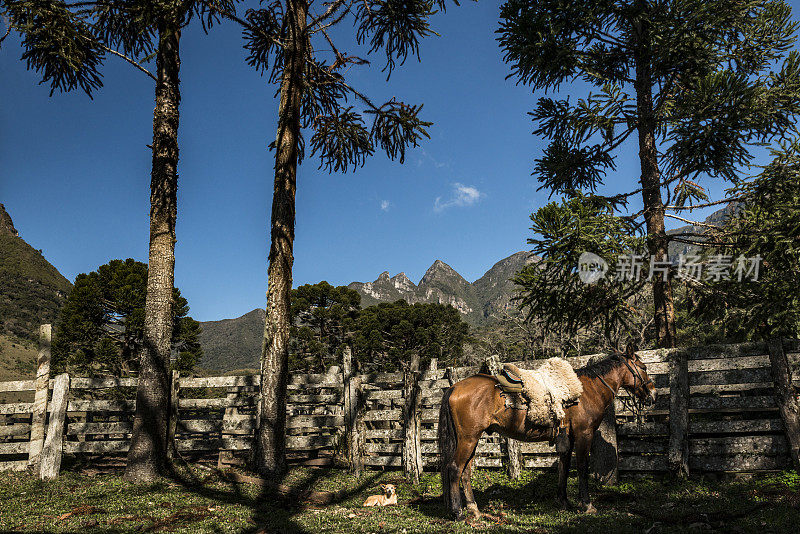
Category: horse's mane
[601,367]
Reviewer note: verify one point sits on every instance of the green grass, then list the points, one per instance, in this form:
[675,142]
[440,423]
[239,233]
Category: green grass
[17,359]
[199,501]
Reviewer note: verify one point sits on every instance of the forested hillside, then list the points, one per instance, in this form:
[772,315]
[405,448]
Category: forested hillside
[31,289]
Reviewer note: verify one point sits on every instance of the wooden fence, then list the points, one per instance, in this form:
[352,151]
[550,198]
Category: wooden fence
[718,410]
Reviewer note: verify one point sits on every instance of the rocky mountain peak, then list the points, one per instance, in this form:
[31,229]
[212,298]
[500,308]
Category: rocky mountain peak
[440,271]
[402,283]
[442,284]
[6,224]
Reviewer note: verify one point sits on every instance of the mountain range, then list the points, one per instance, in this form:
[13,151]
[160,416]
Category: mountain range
[235,344]
[478,302]
[32,292]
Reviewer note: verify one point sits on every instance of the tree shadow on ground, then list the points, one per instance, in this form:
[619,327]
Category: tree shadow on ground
[654,505]
[273,503]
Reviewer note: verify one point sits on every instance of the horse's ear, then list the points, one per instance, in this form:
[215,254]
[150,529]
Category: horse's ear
[630,351]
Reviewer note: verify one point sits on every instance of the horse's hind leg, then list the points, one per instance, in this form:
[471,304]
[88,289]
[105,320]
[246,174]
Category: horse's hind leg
[458,466]
[466,483]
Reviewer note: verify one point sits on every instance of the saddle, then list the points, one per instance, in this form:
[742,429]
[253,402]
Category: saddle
[511,382]
[509,379]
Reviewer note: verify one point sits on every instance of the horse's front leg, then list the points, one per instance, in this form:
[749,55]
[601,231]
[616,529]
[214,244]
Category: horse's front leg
[564,445]
[583,444]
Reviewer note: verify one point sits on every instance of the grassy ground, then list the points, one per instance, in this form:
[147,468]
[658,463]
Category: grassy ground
[17,359]
[201,501]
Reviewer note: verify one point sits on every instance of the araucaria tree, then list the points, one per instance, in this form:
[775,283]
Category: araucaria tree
[291,41]
[142,29]
[699,82]
[100,328]
[323,320]
[558,298]
[760,303]
[67,43]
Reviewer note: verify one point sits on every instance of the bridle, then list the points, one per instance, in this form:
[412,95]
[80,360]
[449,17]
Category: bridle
[631,403]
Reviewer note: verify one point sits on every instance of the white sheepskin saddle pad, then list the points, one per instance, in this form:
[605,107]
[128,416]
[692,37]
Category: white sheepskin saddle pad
[548,389]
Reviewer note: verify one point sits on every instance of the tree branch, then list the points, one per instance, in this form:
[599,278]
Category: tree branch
[706,205]
[232,16]
[701,243]
[693,223]
[129,60]
[8,29]
[336,4]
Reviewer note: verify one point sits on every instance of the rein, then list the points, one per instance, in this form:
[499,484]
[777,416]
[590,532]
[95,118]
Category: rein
[631,402]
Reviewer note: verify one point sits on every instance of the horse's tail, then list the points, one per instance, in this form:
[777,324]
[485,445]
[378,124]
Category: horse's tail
[447,443]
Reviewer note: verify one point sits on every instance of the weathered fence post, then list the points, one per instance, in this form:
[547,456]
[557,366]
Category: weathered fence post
[512,447]
[172,427]
[351,387]
[226,457]
[678,457]
[412,447]
[604,457]
[786,399]
[50,463]
[40,399]
[450,375]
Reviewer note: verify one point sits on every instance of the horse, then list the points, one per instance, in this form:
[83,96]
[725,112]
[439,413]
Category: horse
[475,405]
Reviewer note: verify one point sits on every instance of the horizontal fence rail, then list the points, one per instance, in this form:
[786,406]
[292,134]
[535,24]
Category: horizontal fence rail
[735,417]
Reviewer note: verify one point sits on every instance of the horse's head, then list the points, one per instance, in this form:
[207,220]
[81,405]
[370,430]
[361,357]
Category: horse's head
[635,380]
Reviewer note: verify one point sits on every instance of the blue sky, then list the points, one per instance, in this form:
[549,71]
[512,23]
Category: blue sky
[75,173]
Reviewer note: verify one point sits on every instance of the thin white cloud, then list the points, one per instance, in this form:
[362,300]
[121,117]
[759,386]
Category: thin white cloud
[436,163]
[385,205]
[462,196]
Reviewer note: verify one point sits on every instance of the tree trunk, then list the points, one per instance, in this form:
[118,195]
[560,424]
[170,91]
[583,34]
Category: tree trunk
[270,443]
[657,240]
[147,455]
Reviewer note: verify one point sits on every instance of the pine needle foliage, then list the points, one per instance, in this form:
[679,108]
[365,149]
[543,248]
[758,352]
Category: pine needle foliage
[346,125]
[700,83]
[551,291]
[765,225]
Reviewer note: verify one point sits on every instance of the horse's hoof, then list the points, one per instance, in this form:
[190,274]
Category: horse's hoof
[590,509]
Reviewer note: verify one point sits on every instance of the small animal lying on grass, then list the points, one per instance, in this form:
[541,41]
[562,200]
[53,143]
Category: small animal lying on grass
[389,497]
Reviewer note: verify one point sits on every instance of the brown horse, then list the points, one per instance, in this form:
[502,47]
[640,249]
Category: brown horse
[475,405]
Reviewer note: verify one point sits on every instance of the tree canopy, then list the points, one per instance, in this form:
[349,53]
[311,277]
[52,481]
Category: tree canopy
[757,297]
[100,329]
[700,83]
[383,337]
[388,334]
[323,319]
[551,290]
